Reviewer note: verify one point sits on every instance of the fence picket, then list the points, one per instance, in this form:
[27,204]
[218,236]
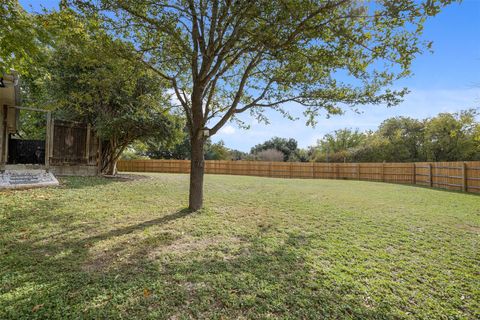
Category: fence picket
[461,176]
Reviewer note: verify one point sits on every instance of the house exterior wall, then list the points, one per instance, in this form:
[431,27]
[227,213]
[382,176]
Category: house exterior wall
[9,98]
[2,138]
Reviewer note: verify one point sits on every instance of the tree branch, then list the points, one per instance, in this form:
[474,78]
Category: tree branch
[231,111]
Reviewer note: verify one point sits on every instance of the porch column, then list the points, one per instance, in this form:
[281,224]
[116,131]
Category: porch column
[3,138]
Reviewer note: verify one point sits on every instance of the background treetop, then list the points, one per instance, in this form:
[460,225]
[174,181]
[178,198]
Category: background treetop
[22,38]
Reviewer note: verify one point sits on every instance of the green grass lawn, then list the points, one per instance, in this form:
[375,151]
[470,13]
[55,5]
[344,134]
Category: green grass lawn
[262,248]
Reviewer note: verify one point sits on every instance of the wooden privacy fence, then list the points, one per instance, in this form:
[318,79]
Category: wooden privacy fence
[460,176]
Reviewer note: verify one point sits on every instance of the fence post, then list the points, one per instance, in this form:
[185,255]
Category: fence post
[48,143]
[383,171]
[464,177]
[414,173]
[430,176]
[358,171]
[290,169]
[87,144]
[313,170]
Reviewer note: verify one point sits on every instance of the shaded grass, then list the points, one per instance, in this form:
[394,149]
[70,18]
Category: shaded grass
[262,248]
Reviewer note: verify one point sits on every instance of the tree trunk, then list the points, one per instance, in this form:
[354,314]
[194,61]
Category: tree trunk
[197,168]
[112,167]
[109,159]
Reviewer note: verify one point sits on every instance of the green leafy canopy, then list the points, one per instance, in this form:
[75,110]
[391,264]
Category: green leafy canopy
[22,38]
[226,57]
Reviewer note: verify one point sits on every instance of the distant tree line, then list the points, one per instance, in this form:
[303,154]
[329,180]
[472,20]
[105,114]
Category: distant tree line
[445,137]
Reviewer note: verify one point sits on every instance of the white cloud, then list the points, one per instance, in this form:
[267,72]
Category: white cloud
[227,130]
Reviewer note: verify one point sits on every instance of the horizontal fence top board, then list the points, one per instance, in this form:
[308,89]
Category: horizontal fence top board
[458,175]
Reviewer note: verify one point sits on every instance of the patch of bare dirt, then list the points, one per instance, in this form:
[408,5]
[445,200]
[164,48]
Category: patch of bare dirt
[469,228]
[187,245]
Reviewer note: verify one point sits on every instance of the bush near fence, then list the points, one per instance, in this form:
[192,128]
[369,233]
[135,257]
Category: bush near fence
[460,176]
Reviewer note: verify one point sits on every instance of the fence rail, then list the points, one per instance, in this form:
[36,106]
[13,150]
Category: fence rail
[460,176]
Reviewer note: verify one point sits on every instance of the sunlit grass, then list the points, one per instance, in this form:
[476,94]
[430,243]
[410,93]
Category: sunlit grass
[261,248]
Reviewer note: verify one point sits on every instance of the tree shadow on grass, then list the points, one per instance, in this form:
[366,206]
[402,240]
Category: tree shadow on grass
[140,226]
[42,277]
[94,181]
[86,182]
[47,279]
[259,282]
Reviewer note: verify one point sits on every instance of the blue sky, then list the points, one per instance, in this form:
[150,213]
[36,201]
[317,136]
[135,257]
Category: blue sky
[446,80]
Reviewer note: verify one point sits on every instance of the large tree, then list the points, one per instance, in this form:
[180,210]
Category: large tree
[336,146]
[288,147]
[226,57]
[123,100]
[452,136]
[405,138]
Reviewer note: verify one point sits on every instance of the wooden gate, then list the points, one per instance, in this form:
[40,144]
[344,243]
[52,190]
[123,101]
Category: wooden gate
[73,143]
